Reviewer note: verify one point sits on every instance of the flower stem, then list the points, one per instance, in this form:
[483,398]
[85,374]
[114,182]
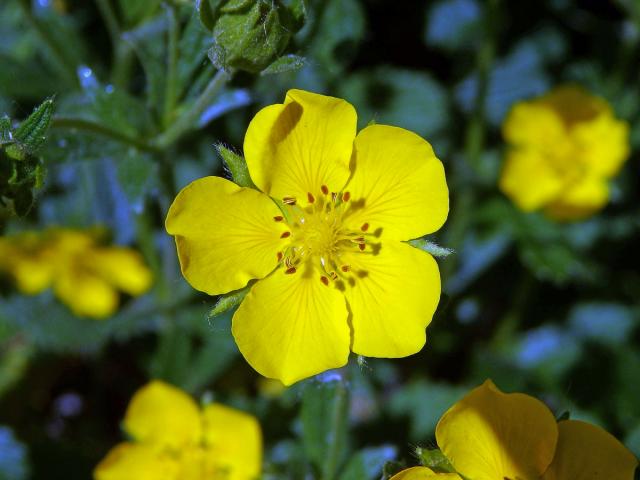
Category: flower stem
[474,141]
[89,126]
[187,121]
[339,419]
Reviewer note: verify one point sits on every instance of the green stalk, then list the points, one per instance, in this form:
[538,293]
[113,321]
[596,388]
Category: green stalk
[89,126]
[172,64]
[339,417]
[475,138]
[187,120]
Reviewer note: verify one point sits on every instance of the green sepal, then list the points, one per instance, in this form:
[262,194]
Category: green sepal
[236,165]
[228,301]
[286,63]
[389,469]
[431,247]
[435,460]
[30,135]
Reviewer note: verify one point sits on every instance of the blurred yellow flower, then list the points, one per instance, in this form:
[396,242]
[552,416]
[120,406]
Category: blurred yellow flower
[490,435]
[328,246]
[421,473]
[173,439]
[84,275]
[563,149]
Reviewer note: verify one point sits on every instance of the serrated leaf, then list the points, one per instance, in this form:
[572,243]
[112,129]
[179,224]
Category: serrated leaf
[431,247]
[229,301]
[368,463]
[237,166]
[31,133]
[286,63]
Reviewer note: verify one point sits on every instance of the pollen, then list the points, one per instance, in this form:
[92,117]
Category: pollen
[321,235]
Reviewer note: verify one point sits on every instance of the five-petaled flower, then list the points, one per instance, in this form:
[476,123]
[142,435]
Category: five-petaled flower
[173,439]
[490,435]
[325,237]
[84,274]
[564,148]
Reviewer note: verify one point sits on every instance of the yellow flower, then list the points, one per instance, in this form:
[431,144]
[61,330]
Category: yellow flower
[84,275]
[490,435]
[422,473]
[175,440]
[324,236]
[564,147]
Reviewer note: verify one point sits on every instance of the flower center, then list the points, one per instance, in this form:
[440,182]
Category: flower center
[318,233]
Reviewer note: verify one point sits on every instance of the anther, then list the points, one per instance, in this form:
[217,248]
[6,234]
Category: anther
[289,200]
[310,197]
[285,234]
[278,218]
[345,268]
[346,196]
[333,275]
[279,255]
[324,280]
[361,246]
[364,227]
[358,240]
[324,189]
[290,270]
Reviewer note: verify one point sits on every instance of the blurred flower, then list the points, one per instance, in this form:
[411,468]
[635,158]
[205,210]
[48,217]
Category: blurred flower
[84,275]
[492,435]
[336,274]
[564,147]
[175,440]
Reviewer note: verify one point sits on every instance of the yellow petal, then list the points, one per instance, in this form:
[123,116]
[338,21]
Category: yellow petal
[392,295]
[121,267]
[162,414]
[294,148]
[490,435]
[587,452]
[419,473]
[534,125]
[573,104]
[226,235]
[32,274]
[581,200]
[398,184]
[292,326]
[529,180]
[234,441]
[84,293]
[602,144]
[132,461]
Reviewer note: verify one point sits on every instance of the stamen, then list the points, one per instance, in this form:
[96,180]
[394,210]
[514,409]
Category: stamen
[290,271]
[285,234]
[279,255]
[334,196]
[333,275]
[324,280]
[324,189]
[278,218]
[364,227]
[310,197]
[346,196]
[358,240]
[361,246]
[345,268]
[289,200]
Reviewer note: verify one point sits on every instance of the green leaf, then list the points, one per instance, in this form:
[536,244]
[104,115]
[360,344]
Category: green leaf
[31,132]
[368,463]
[237,166]
[286,63]
[435,460]
[431,247]
[229,301]
[324,426]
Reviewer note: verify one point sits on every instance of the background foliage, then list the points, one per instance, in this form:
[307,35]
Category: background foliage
[550,309]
